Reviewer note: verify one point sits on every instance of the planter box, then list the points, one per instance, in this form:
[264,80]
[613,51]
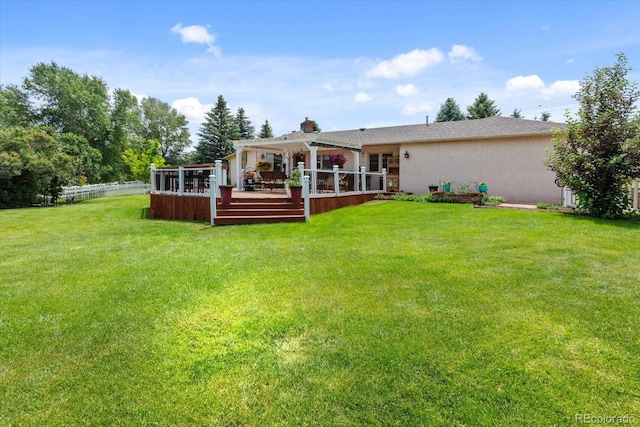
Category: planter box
[441,196]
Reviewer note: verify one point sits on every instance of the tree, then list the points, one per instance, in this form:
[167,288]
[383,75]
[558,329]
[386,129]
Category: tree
[70,103]
[545,116]
[216,133]
[517,114]
[31,165]
[139,159]
[166,125]
[449,112]
[265,130]
[85,160]
[245,128]
[482,107]
[599,152]
[15,107]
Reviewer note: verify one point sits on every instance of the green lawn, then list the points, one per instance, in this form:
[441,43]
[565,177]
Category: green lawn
[389,313]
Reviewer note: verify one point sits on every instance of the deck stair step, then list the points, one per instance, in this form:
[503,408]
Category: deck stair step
[256,211]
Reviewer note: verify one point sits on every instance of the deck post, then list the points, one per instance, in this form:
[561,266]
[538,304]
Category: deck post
[212,198]
[219,181]
[384,180]
[153,177]
[635,193]
[301,168]
[363,178]
[305,194]
[180,180]
[336,180]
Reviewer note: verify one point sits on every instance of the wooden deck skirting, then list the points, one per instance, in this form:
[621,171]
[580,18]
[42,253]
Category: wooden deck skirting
[189,208]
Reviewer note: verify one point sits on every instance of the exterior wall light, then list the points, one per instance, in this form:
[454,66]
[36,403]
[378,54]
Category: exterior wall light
[406,154]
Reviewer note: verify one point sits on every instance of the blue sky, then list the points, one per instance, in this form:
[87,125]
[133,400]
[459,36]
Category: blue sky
[344,64]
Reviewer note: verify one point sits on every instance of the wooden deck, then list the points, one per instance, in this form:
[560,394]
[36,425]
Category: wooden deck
[246,204]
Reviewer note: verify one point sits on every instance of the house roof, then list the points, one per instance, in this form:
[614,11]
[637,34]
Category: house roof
[298,141]
[491,127]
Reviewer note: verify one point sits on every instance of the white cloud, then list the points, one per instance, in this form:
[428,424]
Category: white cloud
[328,87]
[411,109]
[522,83]
[561,88]
[406,64]
[407,90]
[534,83]
[546,27]
[570,61]
[192,109]
[196,34]
[459,53]
[362,97]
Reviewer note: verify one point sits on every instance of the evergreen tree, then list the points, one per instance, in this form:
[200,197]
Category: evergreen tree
[599,152]
[265,130]
[482,107]
[245,128]
[216,133]
[517,114]
[449,111]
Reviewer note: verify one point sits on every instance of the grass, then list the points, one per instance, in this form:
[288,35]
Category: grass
[390,313]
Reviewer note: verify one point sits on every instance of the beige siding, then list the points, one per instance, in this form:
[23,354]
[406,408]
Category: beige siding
[513,167]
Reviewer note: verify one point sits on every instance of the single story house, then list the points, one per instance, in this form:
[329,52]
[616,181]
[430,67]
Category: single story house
[507,153]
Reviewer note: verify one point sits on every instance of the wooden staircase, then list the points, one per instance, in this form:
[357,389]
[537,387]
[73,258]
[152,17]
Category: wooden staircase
[258,211]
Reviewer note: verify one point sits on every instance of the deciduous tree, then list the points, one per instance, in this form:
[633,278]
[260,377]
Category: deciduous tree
[600,149]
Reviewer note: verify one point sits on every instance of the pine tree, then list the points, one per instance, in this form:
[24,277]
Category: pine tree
[265,130]
[449,111]
[517,114]
[482,107]
[245,129]
[216,133]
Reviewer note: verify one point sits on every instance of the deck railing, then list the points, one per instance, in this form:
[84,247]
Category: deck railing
[194,180]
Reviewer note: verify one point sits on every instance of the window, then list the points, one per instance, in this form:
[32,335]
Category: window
[374,162]
[385,160]
[323,162]
[276,161]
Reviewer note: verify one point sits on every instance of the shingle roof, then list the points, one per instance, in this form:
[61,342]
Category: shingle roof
[490,127]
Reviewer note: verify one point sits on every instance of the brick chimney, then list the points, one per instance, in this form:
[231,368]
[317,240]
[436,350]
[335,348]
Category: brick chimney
[307,125]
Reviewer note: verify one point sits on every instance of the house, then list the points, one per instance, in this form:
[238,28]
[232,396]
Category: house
[506,152]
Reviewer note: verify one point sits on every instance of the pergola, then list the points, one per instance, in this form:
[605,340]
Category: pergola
[296,142]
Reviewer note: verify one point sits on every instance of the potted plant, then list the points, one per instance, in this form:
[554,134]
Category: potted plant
[263,165]
[433,187]
[337,159]
[295,186]
[446,186]
[225,194]
[482,187]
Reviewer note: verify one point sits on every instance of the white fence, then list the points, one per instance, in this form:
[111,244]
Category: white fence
[92,191]
[569,199]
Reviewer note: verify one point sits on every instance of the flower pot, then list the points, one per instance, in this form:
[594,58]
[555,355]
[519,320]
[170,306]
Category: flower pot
[225,194]
[446,187]
[482,188]
[296,195]
[433,188]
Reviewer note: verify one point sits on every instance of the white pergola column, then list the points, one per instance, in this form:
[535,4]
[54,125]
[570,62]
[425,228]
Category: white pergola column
[313,158]
[239,170]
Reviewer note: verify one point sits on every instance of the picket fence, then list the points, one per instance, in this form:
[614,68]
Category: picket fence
[92,191]
[569,199]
